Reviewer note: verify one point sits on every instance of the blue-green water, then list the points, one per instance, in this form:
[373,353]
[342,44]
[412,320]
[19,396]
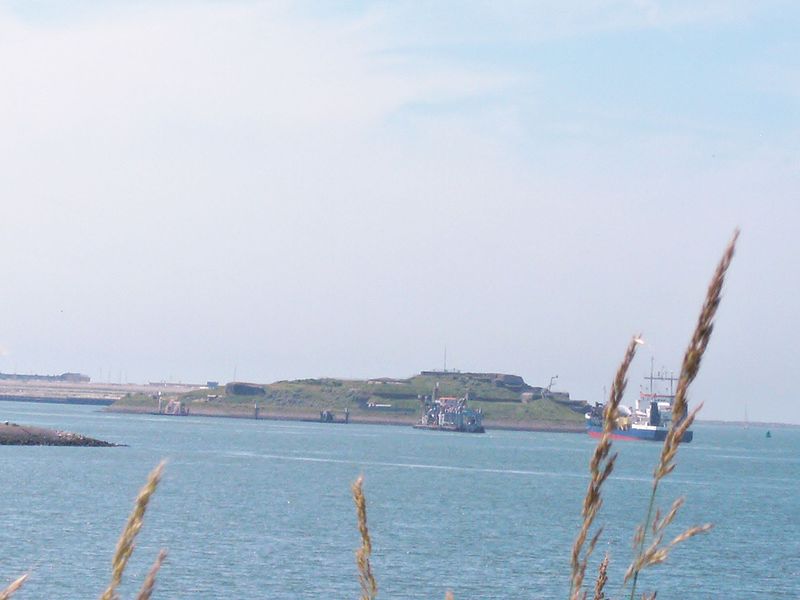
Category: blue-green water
[263,509]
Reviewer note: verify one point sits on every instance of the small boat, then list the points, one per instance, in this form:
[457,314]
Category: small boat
[649,420]
[449,414]
[769,433]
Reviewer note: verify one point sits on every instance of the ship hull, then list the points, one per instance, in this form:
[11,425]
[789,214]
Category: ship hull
[636,434]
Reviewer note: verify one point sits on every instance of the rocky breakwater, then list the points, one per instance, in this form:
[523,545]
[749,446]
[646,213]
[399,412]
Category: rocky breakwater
[12,434]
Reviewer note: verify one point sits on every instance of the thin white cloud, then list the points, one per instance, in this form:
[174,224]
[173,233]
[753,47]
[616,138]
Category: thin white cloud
[246,63]
[454,22]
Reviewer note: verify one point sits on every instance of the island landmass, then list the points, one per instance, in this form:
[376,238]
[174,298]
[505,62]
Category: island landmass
[507,401]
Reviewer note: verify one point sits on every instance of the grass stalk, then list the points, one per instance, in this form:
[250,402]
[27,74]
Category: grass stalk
[654,552]
[369,587]
[150,581]
[126,542]
[600,467]
[12,587]
[602,579]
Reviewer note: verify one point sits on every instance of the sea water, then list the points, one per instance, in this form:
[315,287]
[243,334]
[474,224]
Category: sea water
[263,509]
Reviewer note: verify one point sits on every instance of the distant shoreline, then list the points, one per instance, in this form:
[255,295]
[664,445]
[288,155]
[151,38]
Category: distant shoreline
[310,417]
[750,424]
[265,415]
[108,404]
[62,400]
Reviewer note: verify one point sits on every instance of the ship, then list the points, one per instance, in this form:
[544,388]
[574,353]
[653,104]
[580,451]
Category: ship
[449,413]
[651,418]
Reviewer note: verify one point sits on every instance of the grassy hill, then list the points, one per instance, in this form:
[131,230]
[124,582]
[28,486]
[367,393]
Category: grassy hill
[506,400]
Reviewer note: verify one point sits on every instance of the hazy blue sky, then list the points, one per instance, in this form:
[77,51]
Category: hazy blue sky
[281,190]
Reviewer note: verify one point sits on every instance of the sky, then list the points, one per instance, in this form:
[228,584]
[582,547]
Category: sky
[260,191]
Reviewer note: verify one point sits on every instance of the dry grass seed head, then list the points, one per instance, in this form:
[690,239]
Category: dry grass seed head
[638,536]
[666,463]
[369,586]
[656,553]
[12,587]
[600,467]
[690,533]
[662,524]
[619,385]
[681,423]
[692,358]
[602,579]
[150,581]
[126,541]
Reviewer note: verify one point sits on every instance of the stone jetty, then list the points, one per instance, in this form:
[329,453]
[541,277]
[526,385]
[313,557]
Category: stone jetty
[12,434]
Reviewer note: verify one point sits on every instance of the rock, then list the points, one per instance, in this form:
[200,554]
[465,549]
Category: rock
[21,435]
